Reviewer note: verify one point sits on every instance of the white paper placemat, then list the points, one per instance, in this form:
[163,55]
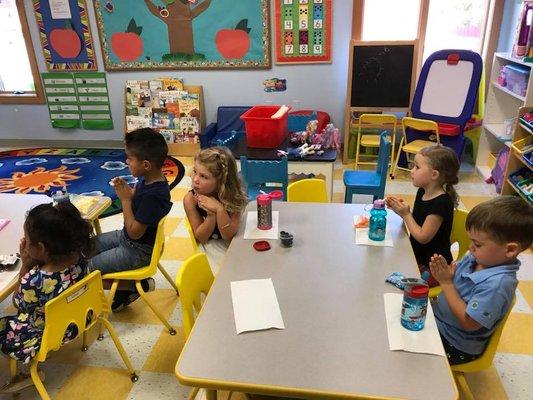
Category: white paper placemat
[361,237]
[251,231]
[425,341]
[255,305]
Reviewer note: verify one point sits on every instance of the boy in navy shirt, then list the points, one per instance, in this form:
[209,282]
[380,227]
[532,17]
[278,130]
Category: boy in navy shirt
[478,291]
[142,207]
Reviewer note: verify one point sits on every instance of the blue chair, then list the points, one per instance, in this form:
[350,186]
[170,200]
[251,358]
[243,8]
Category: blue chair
[265,175]
[228,128]
[370,182]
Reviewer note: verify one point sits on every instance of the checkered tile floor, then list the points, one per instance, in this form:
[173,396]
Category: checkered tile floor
[100,374]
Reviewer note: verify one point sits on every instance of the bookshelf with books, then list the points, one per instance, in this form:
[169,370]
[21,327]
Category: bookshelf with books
[519,171]
[168,106]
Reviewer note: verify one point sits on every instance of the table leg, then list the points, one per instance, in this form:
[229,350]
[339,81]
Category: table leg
[210,394]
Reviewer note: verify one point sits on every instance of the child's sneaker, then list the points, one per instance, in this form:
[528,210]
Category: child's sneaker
[124,298]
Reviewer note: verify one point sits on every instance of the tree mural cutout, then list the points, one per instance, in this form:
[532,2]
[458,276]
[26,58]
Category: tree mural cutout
[178,16]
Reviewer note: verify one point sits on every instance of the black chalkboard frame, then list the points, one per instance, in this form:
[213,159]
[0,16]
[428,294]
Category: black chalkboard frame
[362,108]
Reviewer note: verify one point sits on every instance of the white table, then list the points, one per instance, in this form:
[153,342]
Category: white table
[330,292]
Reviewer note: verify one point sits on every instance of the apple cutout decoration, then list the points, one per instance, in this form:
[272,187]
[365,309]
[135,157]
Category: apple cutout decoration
[233,43]
[65,41]
[128,46]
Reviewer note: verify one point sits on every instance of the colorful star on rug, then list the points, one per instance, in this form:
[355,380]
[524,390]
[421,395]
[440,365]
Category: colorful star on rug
[80,171]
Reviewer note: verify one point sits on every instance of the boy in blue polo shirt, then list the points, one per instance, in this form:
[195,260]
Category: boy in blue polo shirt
[142,207]
[478,291]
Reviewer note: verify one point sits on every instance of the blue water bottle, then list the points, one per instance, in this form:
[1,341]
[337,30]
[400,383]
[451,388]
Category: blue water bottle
[414,304]
[378,221]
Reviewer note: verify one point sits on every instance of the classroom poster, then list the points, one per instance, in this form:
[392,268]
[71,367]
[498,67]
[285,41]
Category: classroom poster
[65,34]
[168,34]
[303,31]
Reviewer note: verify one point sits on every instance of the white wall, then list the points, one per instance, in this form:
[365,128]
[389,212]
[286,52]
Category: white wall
[511,12]
[316,86]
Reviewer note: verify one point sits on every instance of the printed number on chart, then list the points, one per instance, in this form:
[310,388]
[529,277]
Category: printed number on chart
[289,49]
[317,49]
[303,24]
[287,1]
[303,49]
[317,24]
[303,1]
[287,24]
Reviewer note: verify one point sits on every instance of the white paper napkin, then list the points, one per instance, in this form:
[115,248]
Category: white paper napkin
[361,237]
[255,305]
[425,341]
[251,231]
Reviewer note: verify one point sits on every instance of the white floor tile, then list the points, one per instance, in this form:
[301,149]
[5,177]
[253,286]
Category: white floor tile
[525,273]
[521,304]
[516,374]
[176,318]
[185,182]
[154,385]
[181,231]
[172,267]
[177,210]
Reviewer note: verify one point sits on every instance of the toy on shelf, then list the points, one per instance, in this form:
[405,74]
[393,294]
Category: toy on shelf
[328,138]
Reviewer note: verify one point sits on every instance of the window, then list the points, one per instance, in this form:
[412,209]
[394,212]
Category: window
[455,24]
[437,24]
[19,76]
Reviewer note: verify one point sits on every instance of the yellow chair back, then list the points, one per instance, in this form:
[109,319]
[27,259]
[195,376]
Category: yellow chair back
[308,190]
[485,361]
[72,307]
[193,279]
[459,234]
[191,235]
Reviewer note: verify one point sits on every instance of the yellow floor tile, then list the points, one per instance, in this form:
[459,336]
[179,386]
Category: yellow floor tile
[138,312]
[177,248]
[87,382]
[526,288]
[171,224]
[165,352]
[186,161]
[178,193]
[337,174]
[514,337]
[486,385]
[472,201]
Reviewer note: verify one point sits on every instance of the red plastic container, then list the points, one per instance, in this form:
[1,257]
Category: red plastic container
[262,131]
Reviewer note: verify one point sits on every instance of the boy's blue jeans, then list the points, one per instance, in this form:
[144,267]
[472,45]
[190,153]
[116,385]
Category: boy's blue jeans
[114,252]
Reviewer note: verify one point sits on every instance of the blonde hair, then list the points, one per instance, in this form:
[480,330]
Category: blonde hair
[221,163]
[444,160]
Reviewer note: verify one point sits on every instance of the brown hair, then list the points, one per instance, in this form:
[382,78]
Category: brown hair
[221,163]
[444,160]
[504,219]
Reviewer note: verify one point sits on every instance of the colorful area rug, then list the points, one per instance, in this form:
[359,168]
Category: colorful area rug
[81,171]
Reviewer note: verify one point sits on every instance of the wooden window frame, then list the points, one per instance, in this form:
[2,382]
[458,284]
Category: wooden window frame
[37,96]
[489,40]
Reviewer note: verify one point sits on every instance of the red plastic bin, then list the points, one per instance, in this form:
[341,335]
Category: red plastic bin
[261,130]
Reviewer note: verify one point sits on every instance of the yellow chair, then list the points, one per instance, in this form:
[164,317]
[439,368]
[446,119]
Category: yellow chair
[382,121]
[83,304]
[142,273]
[191,235]
[459,236]
[483,362]
[308,190]
[193,279]
[422,125]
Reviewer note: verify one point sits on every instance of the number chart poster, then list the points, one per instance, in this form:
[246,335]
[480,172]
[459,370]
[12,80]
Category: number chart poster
[184,34]
[65,35]
[303,31]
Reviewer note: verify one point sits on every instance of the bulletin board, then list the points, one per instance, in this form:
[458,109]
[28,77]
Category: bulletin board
[65,34]
[303,31]
[167,34]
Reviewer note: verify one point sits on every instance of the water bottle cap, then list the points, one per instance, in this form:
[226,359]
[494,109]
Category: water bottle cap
[419,291]
[379,204]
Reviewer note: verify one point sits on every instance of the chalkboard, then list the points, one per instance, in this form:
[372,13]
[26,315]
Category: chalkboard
[381,75]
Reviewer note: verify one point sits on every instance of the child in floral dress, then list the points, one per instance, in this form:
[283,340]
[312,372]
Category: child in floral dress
[52,252]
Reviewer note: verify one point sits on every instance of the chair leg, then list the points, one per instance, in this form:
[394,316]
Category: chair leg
[171,330]
[461,380]
[357,147]
[397,158]
[193,393]
[37,381]
[210,394]
[120,348]
[347,195]
[392,144]
[110,298]
[12,367]
[168,278]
